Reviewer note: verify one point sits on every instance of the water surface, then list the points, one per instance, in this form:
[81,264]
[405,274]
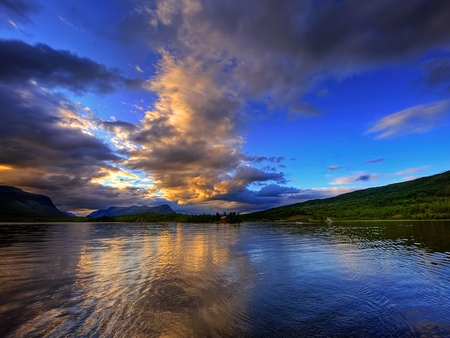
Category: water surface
[355,279]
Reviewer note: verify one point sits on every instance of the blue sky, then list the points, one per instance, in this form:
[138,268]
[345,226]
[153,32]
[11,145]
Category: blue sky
[220,106]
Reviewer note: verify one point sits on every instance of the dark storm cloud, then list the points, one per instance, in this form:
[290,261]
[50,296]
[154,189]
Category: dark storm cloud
[274,190]
[259,159]
[34,135]
[277,51]
[48,152]
[117,126]
[19,9]
[245,175]
[379,31]
[21,62]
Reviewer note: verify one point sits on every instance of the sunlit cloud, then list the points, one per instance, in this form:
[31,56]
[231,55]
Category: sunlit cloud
[191,139]
[120,178]
[352,179]
[418,119]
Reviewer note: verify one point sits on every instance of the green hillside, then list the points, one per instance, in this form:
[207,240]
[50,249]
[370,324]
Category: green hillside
[423,198]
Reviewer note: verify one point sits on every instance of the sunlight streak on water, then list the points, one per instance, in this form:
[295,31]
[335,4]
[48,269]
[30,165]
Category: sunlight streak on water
[187,280]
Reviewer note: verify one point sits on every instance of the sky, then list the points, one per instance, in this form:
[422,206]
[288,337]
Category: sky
[219,106]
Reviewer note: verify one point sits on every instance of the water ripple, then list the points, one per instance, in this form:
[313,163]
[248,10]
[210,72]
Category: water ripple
[254,280]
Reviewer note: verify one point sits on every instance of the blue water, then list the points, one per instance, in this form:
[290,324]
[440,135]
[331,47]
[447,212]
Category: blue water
[355,279]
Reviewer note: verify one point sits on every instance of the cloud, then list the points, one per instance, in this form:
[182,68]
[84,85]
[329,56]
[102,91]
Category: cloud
[377,160]
[259,159]
[369,177]
[188,147]
[245,175]
[46,143]
[190,143]
[335,167]
[411,171]
[20,10]
[21,62]
[51,145]
[416,119]
[352,179]
[270,196]
[215,57]
[275,190]
[34,135]
[437,72]
[276,52]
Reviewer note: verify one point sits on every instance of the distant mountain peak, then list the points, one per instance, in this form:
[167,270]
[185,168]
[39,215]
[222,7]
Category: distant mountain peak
[132,210]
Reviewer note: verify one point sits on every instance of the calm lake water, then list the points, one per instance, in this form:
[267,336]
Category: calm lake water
[355,279]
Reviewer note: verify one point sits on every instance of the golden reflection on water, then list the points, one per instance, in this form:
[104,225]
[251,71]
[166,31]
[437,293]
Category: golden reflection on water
[166,284]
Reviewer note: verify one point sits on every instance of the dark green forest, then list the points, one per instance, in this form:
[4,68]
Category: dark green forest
[423,198]
[232,217]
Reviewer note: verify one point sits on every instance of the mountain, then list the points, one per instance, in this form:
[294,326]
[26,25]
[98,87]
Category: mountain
[120,211]
[16,205]
[423,198]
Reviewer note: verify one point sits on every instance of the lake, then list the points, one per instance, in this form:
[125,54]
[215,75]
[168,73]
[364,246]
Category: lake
[348,279]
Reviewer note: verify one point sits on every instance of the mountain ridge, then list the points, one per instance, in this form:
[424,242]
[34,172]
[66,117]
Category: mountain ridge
[132,210]
[16,204]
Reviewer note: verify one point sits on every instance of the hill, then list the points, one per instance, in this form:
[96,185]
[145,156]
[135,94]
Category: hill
[133,210]
[18,205]
[423,198]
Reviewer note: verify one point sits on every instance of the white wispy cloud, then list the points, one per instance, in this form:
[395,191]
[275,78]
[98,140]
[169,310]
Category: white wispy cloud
[369,177]
[417,119]
[410,171]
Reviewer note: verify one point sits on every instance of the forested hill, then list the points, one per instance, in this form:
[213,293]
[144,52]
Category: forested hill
[423,198]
